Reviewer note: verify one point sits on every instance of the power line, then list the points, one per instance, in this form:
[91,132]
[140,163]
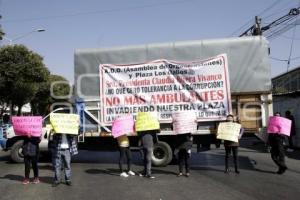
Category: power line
[248,22]
[292,45]
[99,11]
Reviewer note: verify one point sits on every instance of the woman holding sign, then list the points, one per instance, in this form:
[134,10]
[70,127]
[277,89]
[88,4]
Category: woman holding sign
[31,157]
[29,127]
[120,127]
[184,124]
[230,132]
[147,126]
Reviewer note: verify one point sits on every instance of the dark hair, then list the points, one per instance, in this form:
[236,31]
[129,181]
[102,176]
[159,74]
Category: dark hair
[287,112]
[278,113]
[6,118]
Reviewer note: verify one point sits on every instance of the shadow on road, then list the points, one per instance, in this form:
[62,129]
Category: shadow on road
[18,178]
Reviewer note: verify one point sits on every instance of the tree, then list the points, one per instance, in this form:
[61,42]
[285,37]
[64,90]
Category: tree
[44,98]
[21,72]
[1,33]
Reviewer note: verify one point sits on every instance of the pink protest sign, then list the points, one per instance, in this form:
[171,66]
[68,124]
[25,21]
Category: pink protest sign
[184,122]
[122,126]
[28,125]
[279,125]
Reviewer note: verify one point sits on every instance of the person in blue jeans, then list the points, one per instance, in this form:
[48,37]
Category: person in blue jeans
[2,139]
[3,129]
[65,146]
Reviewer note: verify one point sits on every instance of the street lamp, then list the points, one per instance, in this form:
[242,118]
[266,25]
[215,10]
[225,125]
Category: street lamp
[21,36]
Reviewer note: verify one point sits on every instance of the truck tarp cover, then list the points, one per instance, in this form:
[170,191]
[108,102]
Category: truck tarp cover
[248,62]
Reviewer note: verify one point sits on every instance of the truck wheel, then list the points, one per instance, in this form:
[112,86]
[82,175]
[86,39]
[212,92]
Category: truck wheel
[162,154]
[16,154]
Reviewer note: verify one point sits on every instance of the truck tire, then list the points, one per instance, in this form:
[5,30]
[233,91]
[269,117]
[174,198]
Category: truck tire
[16,152]
[162,154]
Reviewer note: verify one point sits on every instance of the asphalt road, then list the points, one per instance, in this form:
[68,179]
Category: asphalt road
[95,176]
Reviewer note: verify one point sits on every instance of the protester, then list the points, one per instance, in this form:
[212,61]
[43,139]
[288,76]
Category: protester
[3,129]
[31,157]
[64,146]
[231,146]
[148,138]
[184,124]
[184,145]
[277,150]
[289,116]
[124,149]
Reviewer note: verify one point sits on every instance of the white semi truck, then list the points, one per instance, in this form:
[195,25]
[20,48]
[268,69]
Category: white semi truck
[104,76]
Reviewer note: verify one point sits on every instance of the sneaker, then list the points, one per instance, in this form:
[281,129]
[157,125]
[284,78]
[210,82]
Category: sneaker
[226,171]
[68,183]
[142,174]
[187,174]
[25,181]
[55,184]
[282,170]
[36,181]
[180,174]
[124,174]
[149,176]
[131,173]
[290,150]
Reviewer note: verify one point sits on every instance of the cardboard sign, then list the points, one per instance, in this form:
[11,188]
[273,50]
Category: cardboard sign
[279,125]
[122,126]
[229,131]
[146,121]
[28,125]
[184,122]
[65,123]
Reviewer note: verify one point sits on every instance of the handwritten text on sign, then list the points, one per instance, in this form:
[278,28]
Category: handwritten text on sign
[229,131]
[65,123]
[184,122]
[166,87]
[146,121]
[279,125]
[122,126]
[28,125]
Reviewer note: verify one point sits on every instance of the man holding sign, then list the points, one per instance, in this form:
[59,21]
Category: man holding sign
[278,128]
[65,128]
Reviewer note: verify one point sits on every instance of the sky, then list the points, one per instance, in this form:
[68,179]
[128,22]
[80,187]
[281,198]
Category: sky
[80,24]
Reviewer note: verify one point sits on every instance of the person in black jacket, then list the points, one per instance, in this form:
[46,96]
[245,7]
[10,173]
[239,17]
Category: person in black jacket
[31,156]
[184,145]
[289,116]
[231,146]
[277,150]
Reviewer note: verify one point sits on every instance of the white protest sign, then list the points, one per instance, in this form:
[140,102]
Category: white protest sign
[166,86]
[229,131]
[184,122]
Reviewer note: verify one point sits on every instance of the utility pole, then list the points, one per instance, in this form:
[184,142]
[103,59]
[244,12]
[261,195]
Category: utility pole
[257,26]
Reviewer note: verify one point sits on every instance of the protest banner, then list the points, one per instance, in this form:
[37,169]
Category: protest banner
[184,122]
[65,123]
[146,121]
[122,126]
[166,86]
[28,125]
[229,131]
[279,125]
